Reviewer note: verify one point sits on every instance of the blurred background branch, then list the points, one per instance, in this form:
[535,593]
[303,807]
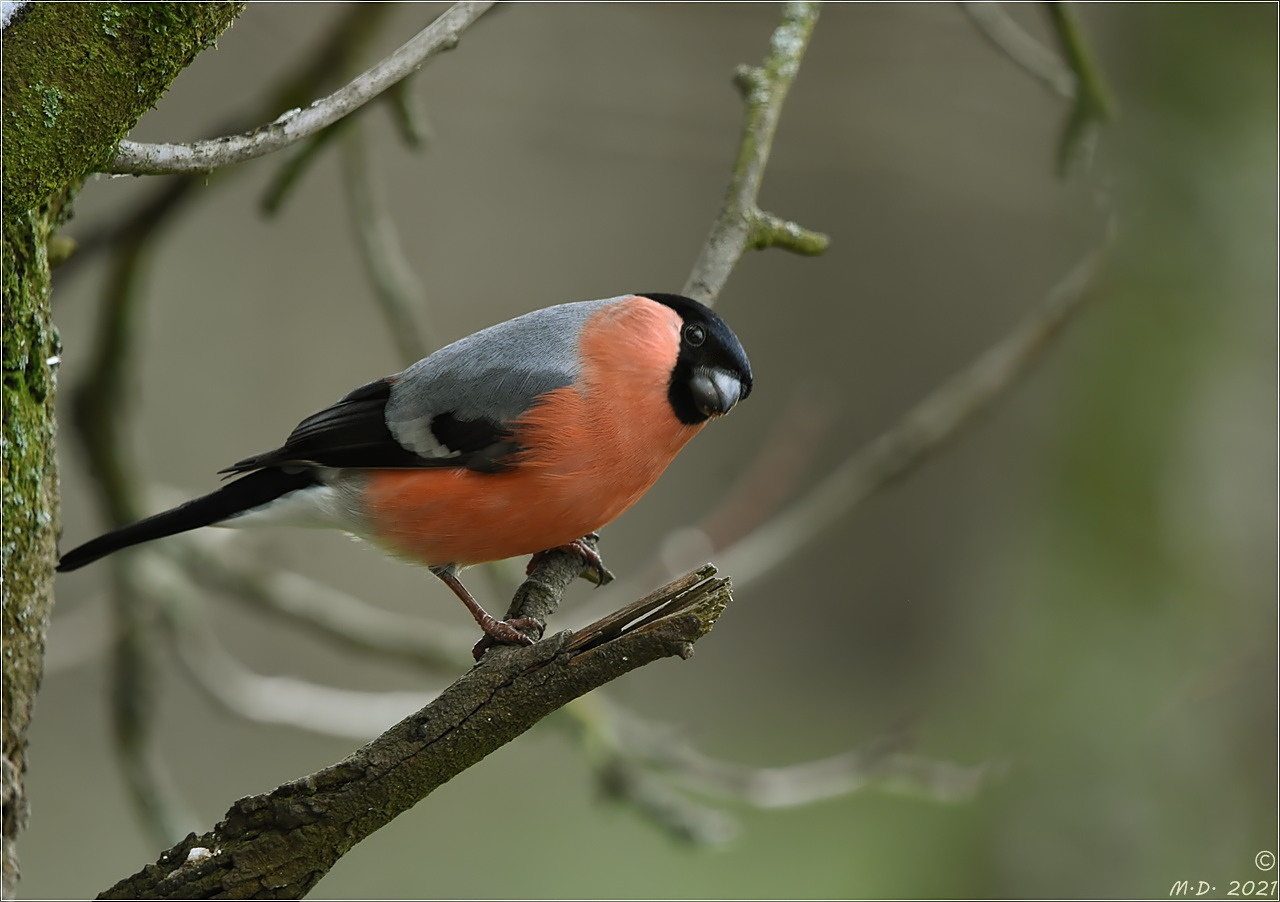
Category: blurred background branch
[922,430]
[397,289]
[1092,100]
[996,25]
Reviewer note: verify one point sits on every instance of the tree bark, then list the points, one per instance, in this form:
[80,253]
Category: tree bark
[77,77]
[279,845]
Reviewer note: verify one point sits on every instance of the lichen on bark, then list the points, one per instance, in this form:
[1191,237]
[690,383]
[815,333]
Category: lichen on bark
[29,507]
[76,78]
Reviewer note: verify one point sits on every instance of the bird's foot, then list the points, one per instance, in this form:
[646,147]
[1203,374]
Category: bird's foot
[593,565]
[505,632]
[496,632]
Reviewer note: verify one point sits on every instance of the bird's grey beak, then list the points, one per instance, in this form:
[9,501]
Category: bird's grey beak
[715,391]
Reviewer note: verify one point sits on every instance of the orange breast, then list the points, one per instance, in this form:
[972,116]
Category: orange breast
[593,449]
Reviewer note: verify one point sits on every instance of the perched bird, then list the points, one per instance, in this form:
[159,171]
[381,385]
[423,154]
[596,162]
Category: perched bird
[523,437]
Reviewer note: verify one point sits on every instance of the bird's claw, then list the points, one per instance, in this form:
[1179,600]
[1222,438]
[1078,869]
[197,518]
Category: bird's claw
[506,632]
[593,565]
[599,573]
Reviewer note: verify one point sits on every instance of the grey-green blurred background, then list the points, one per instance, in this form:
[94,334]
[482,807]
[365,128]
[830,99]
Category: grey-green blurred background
[1082,587]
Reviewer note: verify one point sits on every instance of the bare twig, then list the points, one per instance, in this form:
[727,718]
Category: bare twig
[135,158]
[281,843]
[1037,60]
[1093,104]
[741,224]
[921,431]
[354,28]
[396,286]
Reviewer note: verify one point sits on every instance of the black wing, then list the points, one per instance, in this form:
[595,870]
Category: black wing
[354,433]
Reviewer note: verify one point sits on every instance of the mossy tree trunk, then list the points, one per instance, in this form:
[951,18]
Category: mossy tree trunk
[77,77]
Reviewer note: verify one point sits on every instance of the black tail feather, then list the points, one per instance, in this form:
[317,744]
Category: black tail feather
[245,493]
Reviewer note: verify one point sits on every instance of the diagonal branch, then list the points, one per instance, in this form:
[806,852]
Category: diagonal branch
[134,158]
[279,844]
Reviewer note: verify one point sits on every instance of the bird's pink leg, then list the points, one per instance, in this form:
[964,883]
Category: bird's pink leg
[506,632]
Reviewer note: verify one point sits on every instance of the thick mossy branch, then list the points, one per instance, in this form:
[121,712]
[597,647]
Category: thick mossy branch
[78,76]
[279,844]
[29,498]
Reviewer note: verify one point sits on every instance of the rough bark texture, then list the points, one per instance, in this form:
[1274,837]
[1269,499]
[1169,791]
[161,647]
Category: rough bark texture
[279,844]
[30,493]
[77,77]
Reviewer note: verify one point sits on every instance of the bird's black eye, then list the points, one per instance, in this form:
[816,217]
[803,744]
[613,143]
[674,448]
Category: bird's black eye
[694,335]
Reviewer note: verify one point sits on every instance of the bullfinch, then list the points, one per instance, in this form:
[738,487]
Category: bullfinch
[523,437]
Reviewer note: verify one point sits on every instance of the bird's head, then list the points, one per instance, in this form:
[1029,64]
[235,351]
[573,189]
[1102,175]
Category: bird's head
[712,373]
